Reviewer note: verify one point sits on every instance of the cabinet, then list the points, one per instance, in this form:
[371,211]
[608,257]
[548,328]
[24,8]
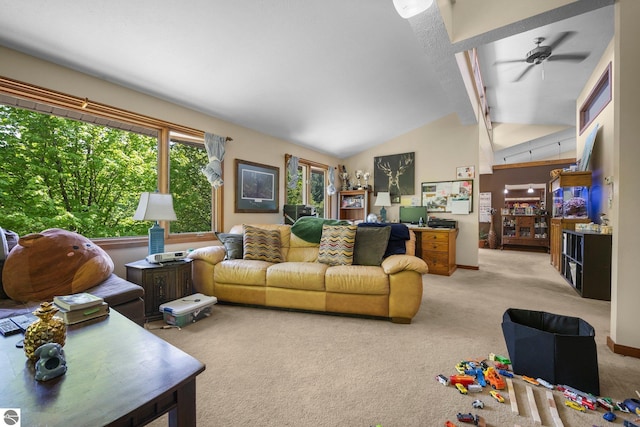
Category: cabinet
[353,204]
[570,191]
[437,247]
[161,282]
[586,263]
[555,236]
[525,230]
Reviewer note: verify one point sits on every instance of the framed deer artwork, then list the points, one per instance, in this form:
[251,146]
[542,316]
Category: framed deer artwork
[395,174]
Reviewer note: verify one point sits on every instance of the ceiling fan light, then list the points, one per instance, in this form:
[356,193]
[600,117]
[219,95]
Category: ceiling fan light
[410,8]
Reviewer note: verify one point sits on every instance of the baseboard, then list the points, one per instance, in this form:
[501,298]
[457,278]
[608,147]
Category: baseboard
[468,267]
[622,349]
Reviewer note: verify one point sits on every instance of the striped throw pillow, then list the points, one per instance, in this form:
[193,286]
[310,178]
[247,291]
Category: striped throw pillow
[260,244]
[336,244]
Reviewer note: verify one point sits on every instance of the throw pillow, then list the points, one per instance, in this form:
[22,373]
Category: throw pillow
[232,243]
[262,245]
[371,244]
[336,244]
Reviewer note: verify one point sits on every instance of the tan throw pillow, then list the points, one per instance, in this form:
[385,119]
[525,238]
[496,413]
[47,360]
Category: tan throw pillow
[371,244]
[262,245]
[336,244]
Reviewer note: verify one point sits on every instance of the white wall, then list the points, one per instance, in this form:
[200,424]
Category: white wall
[440,147]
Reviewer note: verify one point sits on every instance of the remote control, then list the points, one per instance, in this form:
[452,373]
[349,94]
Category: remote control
[7,327]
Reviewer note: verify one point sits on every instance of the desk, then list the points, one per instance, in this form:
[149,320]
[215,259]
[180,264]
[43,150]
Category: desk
[437,247]
[119,374]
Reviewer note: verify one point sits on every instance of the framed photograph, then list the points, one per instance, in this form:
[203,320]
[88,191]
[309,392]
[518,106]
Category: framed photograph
[256,188]
[465,172]
[446,196]
[394,174]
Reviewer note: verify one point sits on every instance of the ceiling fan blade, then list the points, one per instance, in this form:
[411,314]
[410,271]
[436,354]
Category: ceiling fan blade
[574,57]
[509,61]
[562,37]
[524,73]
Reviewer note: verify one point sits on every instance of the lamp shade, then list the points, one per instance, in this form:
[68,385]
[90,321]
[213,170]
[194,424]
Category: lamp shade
[410,8]
[383,199]
[155,207]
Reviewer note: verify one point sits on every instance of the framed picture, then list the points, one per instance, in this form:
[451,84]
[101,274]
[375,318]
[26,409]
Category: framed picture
[256,187]
[394,174]
[448,196]
[465,172]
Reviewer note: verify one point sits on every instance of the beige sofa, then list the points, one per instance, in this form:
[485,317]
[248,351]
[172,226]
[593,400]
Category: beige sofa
[392,290]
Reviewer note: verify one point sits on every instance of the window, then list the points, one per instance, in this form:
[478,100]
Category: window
[311,186]
[74,164]
[599,98]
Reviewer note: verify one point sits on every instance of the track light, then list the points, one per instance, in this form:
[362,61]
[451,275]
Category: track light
[530,190]
[506,190]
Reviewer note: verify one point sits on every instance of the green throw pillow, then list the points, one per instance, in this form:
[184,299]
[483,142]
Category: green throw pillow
[371,244]
[261,244]
[232,243]
[336,244]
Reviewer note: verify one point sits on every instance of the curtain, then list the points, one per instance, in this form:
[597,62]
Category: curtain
[331,188]
[214,145]
[292,167]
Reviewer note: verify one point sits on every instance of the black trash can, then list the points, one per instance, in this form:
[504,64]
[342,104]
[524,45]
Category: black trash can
[556,348]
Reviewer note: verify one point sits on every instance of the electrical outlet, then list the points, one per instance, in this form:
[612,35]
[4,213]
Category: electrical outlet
[608,180]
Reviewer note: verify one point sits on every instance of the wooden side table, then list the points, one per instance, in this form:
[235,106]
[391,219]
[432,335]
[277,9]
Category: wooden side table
[161,282]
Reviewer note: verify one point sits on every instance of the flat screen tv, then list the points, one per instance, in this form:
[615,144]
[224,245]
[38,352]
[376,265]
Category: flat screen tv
[412,214]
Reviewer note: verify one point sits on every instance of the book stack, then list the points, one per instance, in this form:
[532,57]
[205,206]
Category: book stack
[80,307]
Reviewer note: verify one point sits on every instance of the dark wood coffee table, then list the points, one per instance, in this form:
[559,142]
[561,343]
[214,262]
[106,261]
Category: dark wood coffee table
[118,374]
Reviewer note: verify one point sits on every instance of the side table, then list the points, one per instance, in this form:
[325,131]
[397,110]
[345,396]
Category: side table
[161,282]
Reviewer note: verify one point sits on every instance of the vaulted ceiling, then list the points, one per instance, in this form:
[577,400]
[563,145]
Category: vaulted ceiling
[338,76]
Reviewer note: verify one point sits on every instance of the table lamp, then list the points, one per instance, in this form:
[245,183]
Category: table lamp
[383,199]
[155,207]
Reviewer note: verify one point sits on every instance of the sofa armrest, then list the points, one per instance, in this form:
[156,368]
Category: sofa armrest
[209,254]
[396,263]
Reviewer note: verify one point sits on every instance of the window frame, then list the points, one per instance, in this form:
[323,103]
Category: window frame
[602,90]
[40,95]
[309,165]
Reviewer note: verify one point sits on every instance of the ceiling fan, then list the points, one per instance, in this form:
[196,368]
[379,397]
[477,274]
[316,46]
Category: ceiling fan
[542,53]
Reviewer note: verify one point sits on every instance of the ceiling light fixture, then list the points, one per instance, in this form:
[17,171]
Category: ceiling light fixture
[410,8]
[530,190]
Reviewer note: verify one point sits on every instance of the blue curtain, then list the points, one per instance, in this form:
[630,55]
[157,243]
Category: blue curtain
[214,144]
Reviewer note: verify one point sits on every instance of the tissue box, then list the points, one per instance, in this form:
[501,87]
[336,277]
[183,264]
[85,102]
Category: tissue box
[188,309]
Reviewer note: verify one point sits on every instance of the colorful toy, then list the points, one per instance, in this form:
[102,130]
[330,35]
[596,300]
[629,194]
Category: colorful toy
[580,397]
[461,379]
[478,404]
[545,383]
[497,396]
[493,378]
[633,405]
[606,403]
[442,379]
[505,373]
[461,388]
[467,418]
[530,380]
[474,388]
[575,405]
[609,416]
[499,359]
[449,424]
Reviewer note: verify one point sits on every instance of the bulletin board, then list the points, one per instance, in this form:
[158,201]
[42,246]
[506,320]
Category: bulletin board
[448,196]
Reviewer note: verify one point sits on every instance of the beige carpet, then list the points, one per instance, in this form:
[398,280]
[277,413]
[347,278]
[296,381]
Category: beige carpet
[279,368]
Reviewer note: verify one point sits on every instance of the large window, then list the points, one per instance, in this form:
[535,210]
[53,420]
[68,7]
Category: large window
[83,168]
[311,186]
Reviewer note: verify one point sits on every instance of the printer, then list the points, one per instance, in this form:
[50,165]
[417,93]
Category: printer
[434,222]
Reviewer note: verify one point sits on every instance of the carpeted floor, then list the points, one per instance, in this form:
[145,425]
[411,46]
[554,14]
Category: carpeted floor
[279,368]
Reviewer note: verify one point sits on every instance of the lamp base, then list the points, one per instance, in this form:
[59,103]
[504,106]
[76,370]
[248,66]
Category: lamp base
[156,239]
[383,214]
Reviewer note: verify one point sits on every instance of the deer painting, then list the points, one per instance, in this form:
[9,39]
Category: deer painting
[393,167]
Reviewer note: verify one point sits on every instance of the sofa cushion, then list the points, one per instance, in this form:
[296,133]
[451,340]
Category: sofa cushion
[233,243]
[371,244]
[241,272]
[309,228]
[361,279]
[297,275]
[261,245]
[399,235]
[336,244]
